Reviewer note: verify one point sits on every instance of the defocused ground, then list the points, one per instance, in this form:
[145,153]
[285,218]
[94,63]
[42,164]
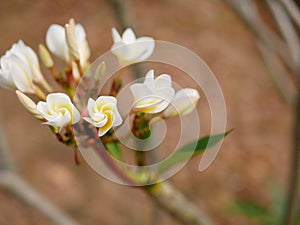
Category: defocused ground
[253,157]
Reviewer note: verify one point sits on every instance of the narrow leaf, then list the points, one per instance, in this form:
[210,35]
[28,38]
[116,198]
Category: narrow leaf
[194,148]
[114,149]
[249,209]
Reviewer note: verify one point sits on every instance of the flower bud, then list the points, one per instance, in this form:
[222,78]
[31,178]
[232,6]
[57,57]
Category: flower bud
[100,71]
[45,56]
[71,39]
[184,102]
[68,43]
[29,104]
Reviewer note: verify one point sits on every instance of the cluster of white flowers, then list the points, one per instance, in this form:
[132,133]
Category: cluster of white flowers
[20,71]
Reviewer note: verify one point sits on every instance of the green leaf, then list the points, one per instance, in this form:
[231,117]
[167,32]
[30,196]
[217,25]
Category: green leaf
[114,149]
[194,148]
[249,209]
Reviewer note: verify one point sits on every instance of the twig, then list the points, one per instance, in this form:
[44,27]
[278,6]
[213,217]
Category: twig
[5,159]
[247,10]
[176,204]
[290,212]
[291,36]
[288,31]
[293,10]
[14,183]
[284,85]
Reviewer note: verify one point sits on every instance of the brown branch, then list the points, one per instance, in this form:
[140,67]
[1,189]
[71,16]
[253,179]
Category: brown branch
[18,186]
[176,204]
[5,159]
[288,31]
[293,10]
[290,213]
[285,86]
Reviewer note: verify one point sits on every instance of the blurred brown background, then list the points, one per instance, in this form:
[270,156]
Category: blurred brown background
[252,158]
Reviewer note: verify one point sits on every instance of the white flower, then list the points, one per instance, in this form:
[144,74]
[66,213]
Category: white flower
[15,73]
[154,95]
[58,110]
[57,43]
[29,58]
[103,113]
[184,102]
[130,49]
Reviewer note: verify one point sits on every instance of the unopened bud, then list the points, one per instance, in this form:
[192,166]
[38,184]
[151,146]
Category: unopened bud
[75,71]
[71,39]
[45,56]
[100,71]
[29,104]
[183,103]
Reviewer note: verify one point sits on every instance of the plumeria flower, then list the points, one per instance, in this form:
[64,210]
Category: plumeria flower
[58,110]
[56,39]
[130,49]
[15,73]
[154,95]
[30,59]
[103,113]
[184,102]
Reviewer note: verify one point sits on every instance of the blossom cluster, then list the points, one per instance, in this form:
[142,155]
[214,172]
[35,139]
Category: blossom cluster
[20,71]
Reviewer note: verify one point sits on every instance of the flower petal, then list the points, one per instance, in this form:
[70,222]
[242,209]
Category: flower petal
[163,81]
[146,46]
[128,36]
[141,91]
[56,42]
[21,75]
[6,80]
[115,35]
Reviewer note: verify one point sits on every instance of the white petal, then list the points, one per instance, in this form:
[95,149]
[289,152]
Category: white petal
[146,45]
[158,108]
[94,123]
[115,35]
[58,99]
[75,115]
[61,120]
[162,81]
[97,116]
[43,109]
[91,106]
[117,117]
[128,36]
[121,51]
[79,33]
[21,75]
[140,91]
[84,53]
[148,102]
[6,80]
[106,99]
[56,41]
[167,94]
[149,80]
